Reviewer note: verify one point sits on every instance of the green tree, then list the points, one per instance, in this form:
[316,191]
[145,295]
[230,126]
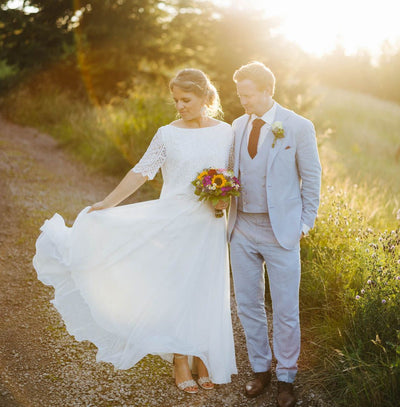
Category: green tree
[109,46]
[119,40]
[102,41]
[35,33]
[220,40]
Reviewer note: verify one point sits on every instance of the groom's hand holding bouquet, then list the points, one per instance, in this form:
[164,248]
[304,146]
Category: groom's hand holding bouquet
[216,185]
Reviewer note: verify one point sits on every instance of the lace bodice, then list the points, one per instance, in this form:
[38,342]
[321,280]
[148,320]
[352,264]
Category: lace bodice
[181,153]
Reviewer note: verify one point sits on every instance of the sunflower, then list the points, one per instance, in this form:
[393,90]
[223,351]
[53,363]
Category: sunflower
[219,180]
[202,174]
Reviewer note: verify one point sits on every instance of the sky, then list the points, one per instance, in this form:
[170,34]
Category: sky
[318,26]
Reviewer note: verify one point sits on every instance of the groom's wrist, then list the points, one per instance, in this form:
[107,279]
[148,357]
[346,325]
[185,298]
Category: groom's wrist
[305,229]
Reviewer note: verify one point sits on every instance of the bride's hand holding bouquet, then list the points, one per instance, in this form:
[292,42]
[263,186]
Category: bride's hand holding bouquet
[216,185]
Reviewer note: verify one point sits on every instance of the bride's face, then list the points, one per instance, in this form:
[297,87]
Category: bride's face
[188,105]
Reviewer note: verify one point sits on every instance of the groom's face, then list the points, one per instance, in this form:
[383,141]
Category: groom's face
[252,98]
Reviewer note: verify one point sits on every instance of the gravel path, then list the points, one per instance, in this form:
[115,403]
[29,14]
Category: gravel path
[40,364]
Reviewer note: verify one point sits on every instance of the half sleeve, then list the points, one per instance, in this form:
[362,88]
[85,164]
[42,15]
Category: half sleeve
[153,158]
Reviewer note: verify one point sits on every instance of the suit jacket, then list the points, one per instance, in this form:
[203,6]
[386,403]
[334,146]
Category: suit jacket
[293,178]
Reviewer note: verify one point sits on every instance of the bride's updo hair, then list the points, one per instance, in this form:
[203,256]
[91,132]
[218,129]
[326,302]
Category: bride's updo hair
[196,81]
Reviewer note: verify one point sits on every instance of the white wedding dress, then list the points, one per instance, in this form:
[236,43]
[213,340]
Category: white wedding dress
[150,277]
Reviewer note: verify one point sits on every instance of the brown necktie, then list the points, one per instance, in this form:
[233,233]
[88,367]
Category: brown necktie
[254,136]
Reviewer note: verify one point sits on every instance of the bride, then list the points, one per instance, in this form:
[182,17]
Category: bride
[153,277]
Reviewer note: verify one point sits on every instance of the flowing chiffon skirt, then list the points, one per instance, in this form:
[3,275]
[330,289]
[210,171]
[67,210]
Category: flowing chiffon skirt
[146,278]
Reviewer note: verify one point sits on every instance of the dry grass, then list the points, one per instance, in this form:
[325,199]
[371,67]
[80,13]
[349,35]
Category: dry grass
[359,140]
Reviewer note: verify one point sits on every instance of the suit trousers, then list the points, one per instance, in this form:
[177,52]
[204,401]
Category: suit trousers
[253,243]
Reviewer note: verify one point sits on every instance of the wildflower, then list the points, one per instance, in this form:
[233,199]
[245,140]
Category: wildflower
[369,282]
[398,278]
[357,297]
[398,261]
[383,301]
[362,291]
[207,180]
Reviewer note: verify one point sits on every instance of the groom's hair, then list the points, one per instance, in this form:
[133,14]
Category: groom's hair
[258,73]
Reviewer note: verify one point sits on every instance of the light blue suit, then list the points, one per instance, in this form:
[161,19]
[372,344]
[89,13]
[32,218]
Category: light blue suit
[293,178]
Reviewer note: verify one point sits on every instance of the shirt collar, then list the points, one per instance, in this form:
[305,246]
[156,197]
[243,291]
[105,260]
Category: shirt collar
[268,116]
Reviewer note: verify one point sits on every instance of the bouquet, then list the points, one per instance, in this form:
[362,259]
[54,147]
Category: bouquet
[213,184]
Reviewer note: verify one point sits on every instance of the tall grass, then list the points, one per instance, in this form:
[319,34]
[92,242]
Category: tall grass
[351,302]
[351,261]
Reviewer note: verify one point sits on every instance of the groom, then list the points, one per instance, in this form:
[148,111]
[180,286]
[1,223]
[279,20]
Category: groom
[277,161]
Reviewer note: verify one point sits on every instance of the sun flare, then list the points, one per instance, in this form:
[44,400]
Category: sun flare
[320,26]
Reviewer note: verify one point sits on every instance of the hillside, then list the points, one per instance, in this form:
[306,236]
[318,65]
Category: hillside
[359,138]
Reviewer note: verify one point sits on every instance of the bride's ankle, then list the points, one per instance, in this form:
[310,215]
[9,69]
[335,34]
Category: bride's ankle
[181,363]
[183,375]
[180,359]
[201,367]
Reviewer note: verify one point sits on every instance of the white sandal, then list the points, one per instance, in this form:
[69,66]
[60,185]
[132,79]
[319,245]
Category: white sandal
[187,384]
[205,380]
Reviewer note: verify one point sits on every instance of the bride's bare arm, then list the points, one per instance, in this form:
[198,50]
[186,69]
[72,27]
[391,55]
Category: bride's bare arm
[129,184]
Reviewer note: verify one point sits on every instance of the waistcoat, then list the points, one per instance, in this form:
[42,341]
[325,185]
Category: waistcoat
[252,173]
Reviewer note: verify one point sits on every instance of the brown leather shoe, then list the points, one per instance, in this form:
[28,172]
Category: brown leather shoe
[286,397]
[257,386]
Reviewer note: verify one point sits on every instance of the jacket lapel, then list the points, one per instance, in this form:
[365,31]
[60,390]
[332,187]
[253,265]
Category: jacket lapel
[280,116]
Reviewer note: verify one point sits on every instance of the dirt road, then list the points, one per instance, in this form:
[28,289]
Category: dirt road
[40,363]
